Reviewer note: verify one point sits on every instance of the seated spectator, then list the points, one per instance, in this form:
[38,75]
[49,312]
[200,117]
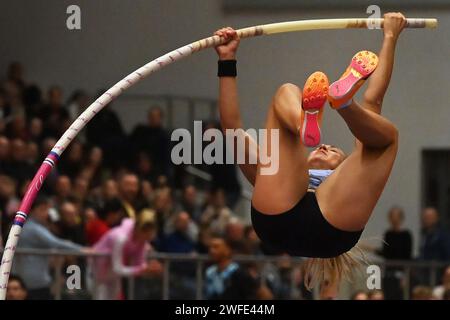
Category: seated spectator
[235,234]
[164,211]
[147,192]
[18,167]
[397,245]
[435,241]
[189,202]
[438,292]
[216,215]
[108,216]
[105,130]
[191,227]
[182,282]
[80,189]
[153,139]
[422,293]
[35,131]
[204,238]
[110,190]
[17,289]
[63,190]
[70,226]
[92,169]
[128,244]
[376,295]
[72,163]
[144,167]
[53,115]
[32,98]
[179,241]
[32,156]
[225,279]
[17,128]
[34,269]
[129,194]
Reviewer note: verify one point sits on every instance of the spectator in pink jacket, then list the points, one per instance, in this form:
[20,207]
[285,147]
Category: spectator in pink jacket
[128,245]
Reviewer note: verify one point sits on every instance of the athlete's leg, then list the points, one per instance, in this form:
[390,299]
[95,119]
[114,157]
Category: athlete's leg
[348,197]
[279,192]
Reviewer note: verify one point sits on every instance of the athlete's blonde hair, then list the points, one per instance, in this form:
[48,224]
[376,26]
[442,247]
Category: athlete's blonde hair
[333,270]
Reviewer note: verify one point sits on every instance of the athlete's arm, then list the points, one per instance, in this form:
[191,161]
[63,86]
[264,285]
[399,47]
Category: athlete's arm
[230,116]
[379,80]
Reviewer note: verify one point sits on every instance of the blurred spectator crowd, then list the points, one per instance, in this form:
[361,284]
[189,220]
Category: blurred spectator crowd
[104,177]
[108,178]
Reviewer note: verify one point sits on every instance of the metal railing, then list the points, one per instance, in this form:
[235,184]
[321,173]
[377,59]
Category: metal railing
[407,268]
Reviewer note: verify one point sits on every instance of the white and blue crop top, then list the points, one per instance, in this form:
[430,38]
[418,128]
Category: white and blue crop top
[316,177]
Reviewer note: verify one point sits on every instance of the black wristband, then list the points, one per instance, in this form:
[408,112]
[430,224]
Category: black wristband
[226,68]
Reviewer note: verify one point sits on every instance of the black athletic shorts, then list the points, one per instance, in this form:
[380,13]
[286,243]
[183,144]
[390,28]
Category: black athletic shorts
[303,231]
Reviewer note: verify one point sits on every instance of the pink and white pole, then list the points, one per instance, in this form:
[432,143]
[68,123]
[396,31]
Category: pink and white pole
[139,74]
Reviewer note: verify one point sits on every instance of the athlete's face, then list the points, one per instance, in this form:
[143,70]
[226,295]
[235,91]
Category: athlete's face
[326,157]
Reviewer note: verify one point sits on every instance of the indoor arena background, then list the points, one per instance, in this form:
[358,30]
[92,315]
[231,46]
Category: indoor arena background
[117,37]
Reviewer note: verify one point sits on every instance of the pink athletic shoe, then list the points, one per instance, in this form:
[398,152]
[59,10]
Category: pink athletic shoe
[361,67]
[315,94]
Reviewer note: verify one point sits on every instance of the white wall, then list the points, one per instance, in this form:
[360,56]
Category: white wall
[119,36]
